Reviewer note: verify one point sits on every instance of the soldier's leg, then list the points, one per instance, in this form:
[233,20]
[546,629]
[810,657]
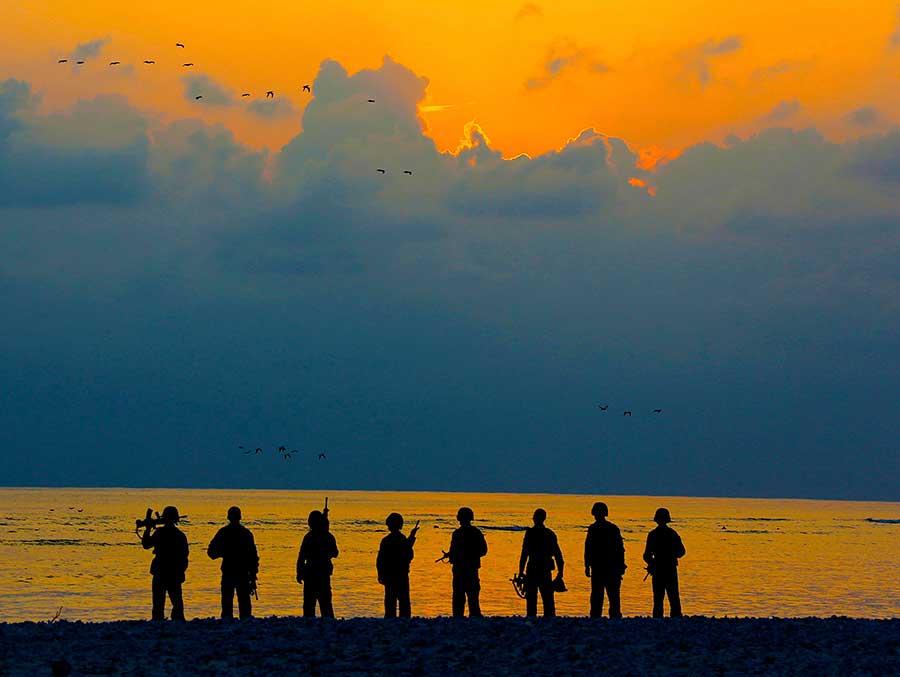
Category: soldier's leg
[158,590]
[596,595]
[309,599]
[474,594]
[531,593]
[403,597]
[390,600]
[177,600]
[674,595]
[659,593]
[547,598]
[459,595]
[325,607]
[613,591]
[245,604]
[227,597]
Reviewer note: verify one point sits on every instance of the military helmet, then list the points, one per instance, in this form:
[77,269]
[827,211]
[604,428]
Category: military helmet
[394,521]
[465,514]
[599,509]
[662,516]
[169,515]
[539,516]
[234,514]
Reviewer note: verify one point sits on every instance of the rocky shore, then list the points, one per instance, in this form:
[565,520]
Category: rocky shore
[822,646]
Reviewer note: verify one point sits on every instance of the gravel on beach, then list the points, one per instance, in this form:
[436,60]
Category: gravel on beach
[497,645]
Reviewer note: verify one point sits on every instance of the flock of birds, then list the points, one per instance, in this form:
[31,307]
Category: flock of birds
[282,450]
[627,412]
[270,94]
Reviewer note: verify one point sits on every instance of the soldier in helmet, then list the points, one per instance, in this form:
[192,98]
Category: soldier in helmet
[664,548]
[234,544]
[467,547]
[392,564]
[314,567]
[604,562]
[540,549]
[170,561]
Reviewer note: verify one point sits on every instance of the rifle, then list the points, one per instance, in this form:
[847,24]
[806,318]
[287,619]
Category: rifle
[443,558]
[412,534]
[254,588]
[325,513]
[649,570]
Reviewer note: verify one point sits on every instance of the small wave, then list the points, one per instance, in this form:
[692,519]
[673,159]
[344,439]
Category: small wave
[882,521]
[503,528]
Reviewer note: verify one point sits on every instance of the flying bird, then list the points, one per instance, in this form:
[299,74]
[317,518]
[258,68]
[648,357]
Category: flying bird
[178,44]
[198,97]
[602,407]
[371,100]
[62,61]
[382,171]
[322,456]
[114,63]
[282,449]
[186,65]
[270,94]
[407,171]
[657,411]
[149,61]
[626,413]
[307,88]
[79,62]
[246,94]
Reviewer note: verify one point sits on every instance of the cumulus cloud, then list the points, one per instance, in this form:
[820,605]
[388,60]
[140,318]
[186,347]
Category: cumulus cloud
[780,69]
[867,116]
[529,10]
[782,111]
[761,278]
[90,49]
[280,107]
[95,152]
[562,56]
[696,61]
[213,93]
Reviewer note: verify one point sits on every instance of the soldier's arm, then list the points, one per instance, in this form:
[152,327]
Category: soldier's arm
[147,539]
[620,548]
[334,548]
[557,554]
[648,551]
[254,558]
[185,551]
[214,550]
[524,556]
[483,550]
[679,546]
[587,553]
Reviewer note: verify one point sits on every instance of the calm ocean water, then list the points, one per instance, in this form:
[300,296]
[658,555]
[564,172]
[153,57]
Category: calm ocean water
[76,549]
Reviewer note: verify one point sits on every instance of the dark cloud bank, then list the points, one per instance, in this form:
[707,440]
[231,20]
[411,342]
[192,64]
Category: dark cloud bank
[167,294]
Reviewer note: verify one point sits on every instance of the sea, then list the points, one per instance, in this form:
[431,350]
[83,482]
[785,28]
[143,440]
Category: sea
[74,554]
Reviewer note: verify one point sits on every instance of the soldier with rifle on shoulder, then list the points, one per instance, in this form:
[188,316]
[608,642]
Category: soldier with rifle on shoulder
[314,567]
[170,560]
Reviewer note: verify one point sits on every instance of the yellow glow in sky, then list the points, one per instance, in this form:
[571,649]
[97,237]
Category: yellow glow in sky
[533,74]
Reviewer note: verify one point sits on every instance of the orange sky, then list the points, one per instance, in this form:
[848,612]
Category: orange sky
[646,72]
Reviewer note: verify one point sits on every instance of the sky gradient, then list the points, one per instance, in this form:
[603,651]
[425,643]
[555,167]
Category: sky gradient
[691,207]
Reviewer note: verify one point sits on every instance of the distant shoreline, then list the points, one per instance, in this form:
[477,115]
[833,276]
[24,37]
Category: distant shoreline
[494,645]
[501,492]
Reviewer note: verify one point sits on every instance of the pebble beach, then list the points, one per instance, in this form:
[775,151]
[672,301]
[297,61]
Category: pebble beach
[498,645]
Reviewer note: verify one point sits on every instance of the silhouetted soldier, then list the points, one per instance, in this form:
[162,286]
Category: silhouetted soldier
[539,550]
[663,550]
[394,557]
[240,564]
[170,561]
[314,567]
[467,547]
[604,562]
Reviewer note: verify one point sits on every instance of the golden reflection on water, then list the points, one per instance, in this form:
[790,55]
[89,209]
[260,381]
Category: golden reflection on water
[745,557]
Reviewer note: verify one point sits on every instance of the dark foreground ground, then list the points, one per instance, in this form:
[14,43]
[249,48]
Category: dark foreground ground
[636,646]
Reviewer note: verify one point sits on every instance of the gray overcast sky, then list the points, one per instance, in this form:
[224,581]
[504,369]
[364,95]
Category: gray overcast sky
[166,295]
